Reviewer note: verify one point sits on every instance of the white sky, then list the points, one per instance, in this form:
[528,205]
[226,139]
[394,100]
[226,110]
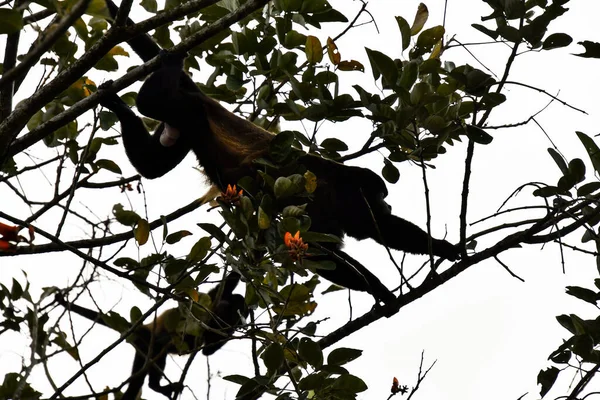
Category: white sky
[489,333]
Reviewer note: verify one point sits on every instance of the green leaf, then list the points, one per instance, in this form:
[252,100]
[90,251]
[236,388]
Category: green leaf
[557,40]
[546,378]
[510,33]
[559,160]
[343,355]
[311,352]
[410,72]
[214,231]
[125,217]
[150,5]
[350,383]
[592,150]
[199,250]
[478,135]
[333,144]
[11,21]
[109,165]
[588,188]
[273,356]
[427,39]
[281,146]
[175,237]
[488,32]
[382,64]
[390,172]
[583,294]
[314,237]
[404,32]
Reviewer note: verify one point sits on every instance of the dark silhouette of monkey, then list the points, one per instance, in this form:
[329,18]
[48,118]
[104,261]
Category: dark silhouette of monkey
[348,200]
[154,341]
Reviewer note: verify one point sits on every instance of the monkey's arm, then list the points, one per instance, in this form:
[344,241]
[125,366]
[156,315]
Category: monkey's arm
[145,150]
[82,311]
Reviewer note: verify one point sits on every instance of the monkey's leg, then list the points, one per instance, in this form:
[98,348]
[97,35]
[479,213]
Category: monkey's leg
[401,234]
[352,274]
[138,377]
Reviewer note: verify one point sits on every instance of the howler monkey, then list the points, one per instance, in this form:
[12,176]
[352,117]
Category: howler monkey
[154,341]
[348,200]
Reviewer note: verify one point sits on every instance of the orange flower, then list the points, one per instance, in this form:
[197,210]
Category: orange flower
[231,195]
[396,388]
[10,234]
[295,244]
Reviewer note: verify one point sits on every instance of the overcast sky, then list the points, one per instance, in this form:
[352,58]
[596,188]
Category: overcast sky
[489,333]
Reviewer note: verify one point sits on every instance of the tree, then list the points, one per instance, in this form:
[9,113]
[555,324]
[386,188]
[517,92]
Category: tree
[277,64]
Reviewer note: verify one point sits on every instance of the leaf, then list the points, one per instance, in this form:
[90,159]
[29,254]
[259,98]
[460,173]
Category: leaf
[559,160]
[350,383]
[333,52]
[311,352]
[381,64]
[214,231]
[591,148]
[493,34]
[273,356]
[199,250]
[125,217]
[142,232]
[478,135]
[333,144]
[583,294]
[281,146]
[98,8]
[404,32]
[177,236]
[592,49]
[420,19]
[510,33]
[351,65]
[390,172]
[557,40]
[150,5]
[546,378]
[11,21]
[109,165]
[310,182]
[343,355]
[313,49]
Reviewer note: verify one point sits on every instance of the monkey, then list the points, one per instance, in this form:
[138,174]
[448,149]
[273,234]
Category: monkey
[348,200]
[154,341]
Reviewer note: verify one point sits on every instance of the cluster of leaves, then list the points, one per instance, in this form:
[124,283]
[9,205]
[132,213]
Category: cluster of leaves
[583,346]
[326,380]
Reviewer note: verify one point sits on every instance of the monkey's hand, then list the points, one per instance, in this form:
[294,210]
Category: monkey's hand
[108,97]
[447,250]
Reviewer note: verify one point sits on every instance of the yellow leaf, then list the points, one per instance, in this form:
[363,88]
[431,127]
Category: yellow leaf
[310,182]
[313,51]
[437,50]
[333,52]
[420,19]
[193,294]
[118,51]
[142,232]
